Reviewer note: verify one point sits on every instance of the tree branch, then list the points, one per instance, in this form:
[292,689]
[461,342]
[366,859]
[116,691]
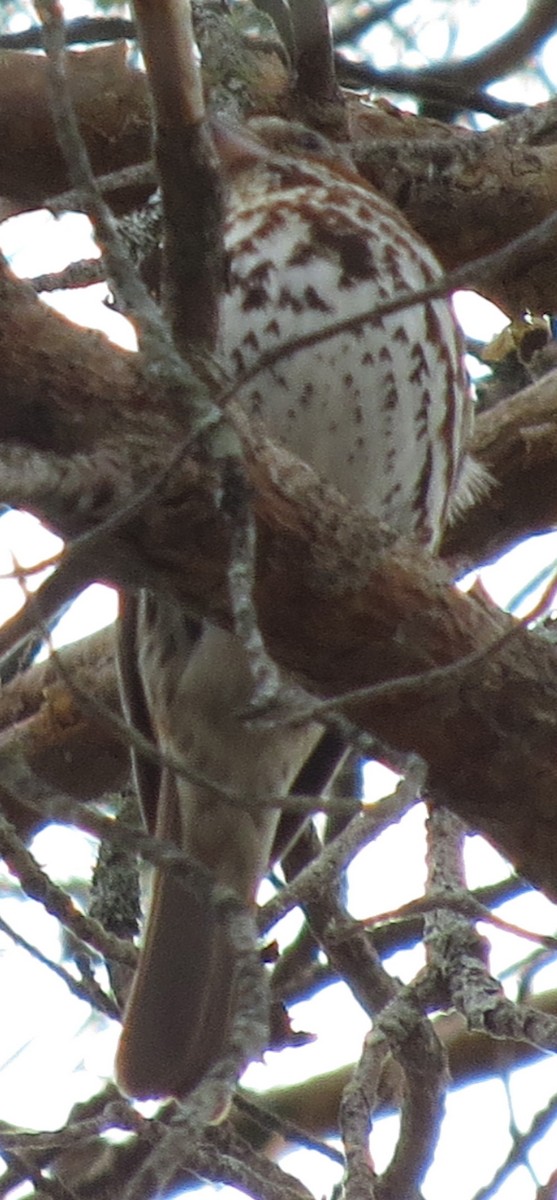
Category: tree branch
[333,607]
[192,192]
[421,165]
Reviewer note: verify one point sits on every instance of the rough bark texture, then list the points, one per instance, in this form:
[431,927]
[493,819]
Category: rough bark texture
[517,441]
[313,1104]
[112,103]
[334,607]
[83,426]
[452,184]
[65,746]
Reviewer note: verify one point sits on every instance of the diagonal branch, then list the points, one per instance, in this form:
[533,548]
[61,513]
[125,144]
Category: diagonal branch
[333,606]
[192,192]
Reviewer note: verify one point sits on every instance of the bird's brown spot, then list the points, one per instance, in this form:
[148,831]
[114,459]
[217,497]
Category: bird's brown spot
[254,298]
[421,414]
[288,300]
[301,255]
[419,360]
[390,399]
[250,341]
[272,328]
[315,301]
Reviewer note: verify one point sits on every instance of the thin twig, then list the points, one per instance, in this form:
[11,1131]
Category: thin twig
[316,79]
[522,1145]
[161,357]
[84,990]
[38,886]
[317,878]
[274,1123]
[359,1100]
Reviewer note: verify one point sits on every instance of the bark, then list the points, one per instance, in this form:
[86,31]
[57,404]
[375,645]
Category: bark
[336,608]
[66,747]
[470,194]
[314,1104]
[83,426]
[466,193]
[517,441]
[112,104]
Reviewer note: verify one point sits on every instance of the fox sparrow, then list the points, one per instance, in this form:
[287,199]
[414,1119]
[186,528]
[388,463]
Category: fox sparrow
[381,410]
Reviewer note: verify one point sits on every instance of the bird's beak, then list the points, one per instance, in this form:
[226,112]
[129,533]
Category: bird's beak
[235,146]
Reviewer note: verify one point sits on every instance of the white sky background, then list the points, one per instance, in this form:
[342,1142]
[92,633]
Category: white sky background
[48,1056]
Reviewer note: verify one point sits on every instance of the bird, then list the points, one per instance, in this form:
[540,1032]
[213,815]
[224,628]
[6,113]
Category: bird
[381,409]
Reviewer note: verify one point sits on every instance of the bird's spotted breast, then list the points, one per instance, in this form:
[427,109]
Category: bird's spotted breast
[378,406]
[308,248]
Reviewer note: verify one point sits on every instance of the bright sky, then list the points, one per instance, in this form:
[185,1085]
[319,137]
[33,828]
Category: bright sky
[48,1056]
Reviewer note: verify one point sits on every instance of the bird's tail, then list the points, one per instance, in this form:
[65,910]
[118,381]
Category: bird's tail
[178,1012]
